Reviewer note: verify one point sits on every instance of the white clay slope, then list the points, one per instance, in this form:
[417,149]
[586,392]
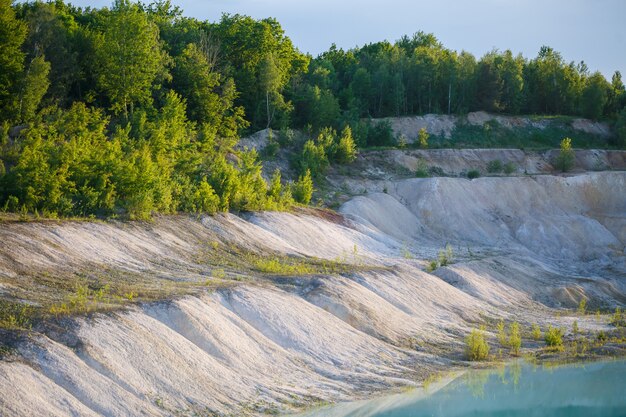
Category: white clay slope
[521,245]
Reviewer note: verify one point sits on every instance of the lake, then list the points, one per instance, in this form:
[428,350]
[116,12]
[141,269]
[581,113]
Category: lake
[596,389]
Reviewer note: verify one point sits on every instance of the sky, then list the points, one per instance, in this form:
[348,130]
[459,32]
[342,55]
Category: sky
[589,30]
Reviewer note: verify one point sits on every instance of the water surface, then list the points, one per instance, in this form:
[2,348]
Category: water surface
[519,390]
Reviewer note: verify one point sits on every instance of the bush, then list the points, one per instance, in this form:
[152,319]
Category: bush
[422,138]
[421,173]
[15,315]
[380,134]
[346,148]
[472,174]
[617,319]
[422,170]
[283,266]
[494,166]
[302,190]
[565,159]
[286,137]
[582,306]
[272,147]
[445,256]
[620,129]
[436,171]
[553,337]
[502,339]
[515,339]
[432,265]
[535,331]
[477,348]
[509,168]
[313,159]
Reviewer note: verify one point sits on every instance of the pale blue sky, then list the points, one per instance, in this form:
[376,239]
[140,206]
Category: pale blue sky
[589,30]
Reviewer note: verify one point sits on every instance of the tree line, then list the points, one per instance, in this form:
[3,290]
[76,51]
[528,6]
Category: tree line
[135,108]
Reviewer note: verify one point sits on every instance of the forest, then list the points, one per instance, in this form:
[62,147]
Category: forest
[136,109]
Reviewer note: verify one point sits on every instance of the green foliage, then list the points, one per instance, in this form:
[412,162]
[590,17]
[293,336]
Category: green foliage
[34,85]
[468,136]
[515,338]
[509,168]
[106,134]
[280,266]
[422,169]
[406,253]
[535,331]
[473,173]
[477,348]
[346,148]
[432,265]
[445,256]
[313,158]
[582,306]
[15,316]
[12,35]
[262,61]
[620,128]
[618,319]
[68,166]
[302,190]
[595,96]
[210,99]
[380,134]
[494,166]
[565,159]
[84,299]
[422,138]
[553,337]
[502,338]
[129,57]
[575,328]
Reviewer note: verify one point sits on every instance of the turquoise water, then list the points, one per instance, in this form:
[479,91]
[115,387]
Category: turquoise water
[519,390]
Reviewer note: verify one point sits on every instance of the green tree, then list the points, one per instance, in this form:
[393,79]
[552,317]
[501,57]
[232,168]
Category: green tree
[194,80]
[209,100]
[319,107]
[302,190]
[477,348]
[53,32]
[565,159]
[422,138]
[595,96]
[515,338]
[617,95]
[553,337]
[129,57]
[346,148]
[620,128]
[535,331]
[270,83]
[262,61]
[12,36]
[34,86]
[313,159]
[502,338]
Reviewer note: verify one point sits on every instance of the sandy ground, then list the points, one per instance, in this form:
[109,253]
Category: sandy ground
[522,246]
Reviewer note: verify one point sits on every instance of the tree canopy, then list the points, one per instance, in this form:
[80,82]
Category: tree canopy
[135,108]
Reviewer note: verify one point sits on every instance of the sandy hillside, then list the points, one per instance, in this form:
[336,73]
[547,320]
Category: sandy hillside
[522,246]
